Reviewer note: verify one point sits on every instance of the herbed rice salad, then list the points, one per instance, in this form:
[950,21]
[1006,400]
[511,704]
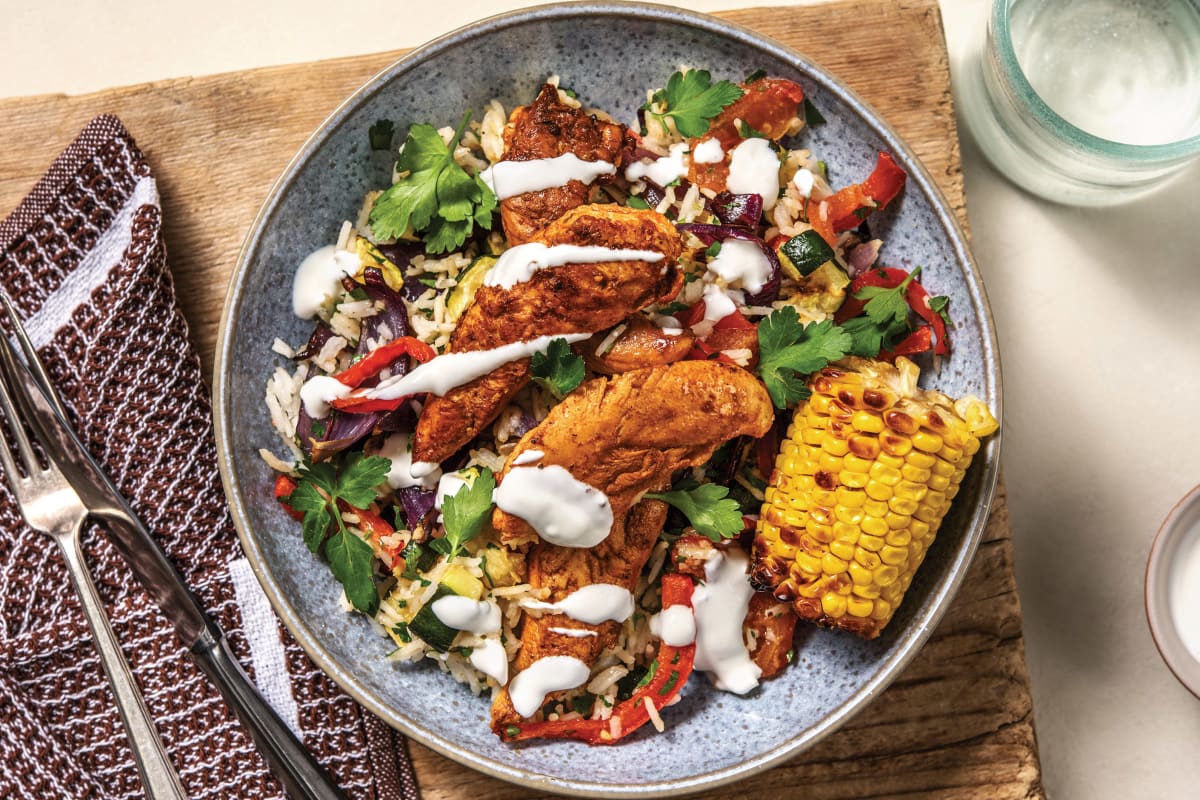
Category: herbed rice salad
[769,251]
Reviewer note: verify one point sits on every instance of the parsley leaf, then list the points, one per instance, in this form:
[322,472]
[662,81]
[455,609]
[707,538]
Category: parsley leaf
[692,100]
[635,201]
[708,508]
[381,134]
[350,559]
[318,490]
[939,306]
[464,514]
[436,198]
[788,351]
[749,132]
[811,115]
[558,369]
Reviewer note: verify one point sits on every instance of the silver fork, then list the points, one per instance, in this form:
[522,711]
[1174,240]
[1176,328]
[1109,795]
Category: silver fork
[51,506]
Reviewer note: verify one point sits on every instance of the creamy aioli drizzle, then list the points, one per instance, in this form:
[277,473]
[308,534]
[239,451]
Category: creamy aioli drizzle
[510,178]
[465,614]
[529,687]
[754,169]
[720,607]
[675,625]
[574,633]
[564,511]
[318,392]
[397,448]
[663,170]
[528,457]
[447,371]
[593,604]
[319,277]
[708,152]
[717,302]
[742,261]
[804,180]
[448,486]
[517,264]
[490,658]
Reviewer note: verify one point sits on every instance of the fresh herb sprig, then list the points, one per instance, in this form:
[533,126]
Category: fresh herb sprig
[884,319]
[788,351]
[464,513]
[692,100]
[708,508]
[436,198]
[318,490]
[558,369]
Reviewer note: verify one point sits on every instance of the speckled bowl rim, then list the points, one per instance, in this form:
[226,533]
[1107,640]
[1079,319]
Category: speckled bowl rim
[1183,665]
[920,628]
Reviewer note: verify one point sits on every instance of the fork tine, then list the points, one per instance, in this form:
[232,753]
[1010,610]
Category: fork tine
[31,359]
[18,432]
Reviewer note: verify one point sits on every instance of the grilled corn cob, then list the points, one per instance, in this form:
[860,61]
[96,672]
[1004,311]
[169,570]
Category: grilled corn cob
[860,487]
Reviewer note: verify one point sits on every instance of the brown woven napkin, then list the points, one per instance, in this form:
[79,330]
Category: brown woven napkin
[83,260]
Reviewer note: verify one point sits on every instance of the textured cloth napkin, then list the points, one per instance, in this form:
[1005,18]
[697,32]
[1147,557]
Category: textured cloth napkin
[83,260]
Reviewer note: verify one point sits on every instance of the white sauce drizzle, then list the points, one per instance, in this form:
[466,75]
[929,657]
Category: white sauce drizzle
[564,511]
[448,486]
[447,371]
[804,180]
[718,303]
[510,178]
[529,687]
[742,261]
[319,277]
[517,264]
[574,633]
[528,457]
[318,392]
[465,614]
[663,170]
[593,604]
[709,152]
[720,607]
[754,169]
[675,625]
[490,658]
[397,448]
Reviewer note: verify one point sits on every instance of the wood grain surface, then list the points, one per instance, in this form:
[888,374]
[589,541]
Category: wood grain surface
[958,723]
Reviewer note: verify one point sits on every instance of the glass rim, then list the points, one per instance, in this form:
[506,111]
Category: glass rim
[1166,151]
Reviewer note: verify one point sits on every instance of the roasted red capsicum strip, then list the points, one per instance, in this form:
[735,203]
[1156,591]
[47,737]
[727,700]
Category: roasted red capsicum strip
[848,207]
[371,365]
[671,670]
[917,297]
[382,357]
[284,486]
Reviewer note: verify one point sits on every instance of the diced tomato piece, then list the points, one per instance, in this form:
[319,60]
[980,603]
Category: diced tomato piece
[284,486]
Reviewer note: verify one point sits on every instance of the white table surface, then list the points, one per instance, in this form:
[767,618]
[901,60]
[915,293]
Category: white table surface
[1099,332]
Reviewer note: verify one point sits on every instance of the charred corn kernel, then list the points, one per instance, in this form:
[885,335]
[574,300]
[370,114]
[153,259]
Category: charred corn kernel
[859,607]
[885,474]
[875,527]
[834,605]
[867,421]
[843,549]
[859,489]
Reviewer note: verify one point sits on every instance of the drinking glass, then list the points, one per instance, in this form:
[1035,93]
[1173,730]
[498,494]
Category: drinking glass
[1087,102]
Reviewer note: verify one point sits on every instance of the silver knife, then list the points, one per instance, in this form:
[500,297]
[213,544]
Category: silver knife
[292,764]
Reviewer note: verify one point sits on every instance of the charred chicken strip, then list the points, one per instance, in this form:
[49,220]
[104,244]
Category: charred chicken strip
[576,298]
[625,435]
[547,128]
[641,344]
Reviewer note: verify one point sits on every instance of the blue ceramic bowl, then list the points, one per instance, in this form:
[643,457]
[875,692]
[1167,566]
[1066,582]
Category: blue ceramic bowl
[609,53]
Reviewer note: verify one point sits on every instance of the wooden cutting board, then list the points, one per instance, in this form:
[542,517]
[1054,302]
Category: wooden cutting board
[959,722]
